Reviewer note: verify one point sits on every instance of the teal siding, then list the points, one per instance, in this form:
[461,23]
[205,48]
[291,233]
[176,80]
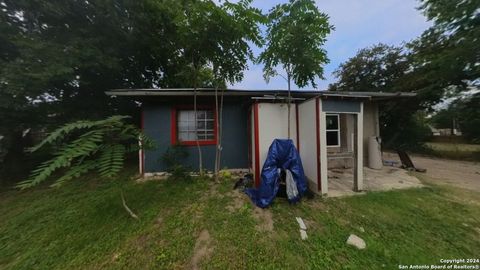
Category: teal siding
[157,124]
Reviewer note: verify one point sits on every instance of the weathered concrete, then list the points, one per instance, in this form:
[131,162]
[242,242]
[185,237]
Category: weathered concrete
[340,181]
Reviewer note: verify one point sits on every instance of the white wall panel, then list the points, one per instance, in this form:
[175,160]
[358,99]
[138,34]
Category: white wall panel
[308,138]
[273,124]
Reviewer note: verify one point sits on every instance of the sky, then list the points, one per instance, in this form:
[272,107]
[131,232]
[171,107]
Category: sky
[358,24]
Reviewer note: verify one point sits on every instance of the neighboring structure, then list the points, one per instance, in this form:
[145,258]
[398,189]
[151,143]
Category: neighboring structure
[445,131]
[329,129]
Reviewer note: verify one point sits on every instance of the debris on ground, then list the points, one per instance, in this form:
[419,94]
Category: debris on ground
[407,162]
[245,181]
[356,241]
[303,228]
[301,223]
[303,234]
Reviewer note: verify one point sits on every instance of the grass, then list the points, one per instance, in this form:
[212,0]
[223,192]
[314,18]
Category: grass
[83,226]
[458,151]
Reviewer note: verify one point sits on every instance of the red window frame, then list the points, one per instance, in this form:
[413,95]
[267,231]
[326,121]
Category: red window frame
[174,127]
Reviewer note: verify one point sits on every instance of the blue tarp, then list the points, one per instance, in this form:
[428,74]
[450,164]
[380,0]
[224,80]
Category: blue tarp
[282,154]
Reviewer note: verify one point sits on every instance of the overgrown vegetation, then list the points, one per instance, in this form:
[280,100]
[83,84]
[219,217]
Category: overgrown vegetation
[54,67]
[442,62]
[173,158]
[462,114]
[85,146]
[82,226]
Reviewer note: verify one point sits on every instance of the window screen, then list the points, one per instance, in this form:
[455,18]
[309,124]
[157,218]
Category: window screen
[202,131]
[333,130]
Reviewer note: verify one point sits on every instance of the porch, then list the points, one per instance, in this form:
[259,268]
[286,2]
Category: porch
[340,180]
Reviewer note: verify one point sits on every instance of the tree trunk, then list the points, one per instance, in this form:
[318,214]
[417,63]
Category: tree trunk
[288,103]
[195,85]
[200,161]
[217,145]
[220,131]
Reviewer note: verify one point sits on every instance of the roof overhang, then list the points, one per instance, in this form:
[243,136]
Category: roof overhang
[258,94]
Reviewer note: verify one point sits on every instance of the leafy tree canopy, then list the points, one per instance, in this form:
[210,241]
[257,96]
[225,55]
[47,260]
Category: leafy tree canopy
[447,55]
[383,68]
[465,113]
[58,57]
[217,36]
[296,32]
[379,68]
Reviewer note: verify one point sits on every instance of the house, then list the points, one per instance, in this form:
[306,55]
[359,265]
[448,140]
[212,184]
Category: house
[329,129]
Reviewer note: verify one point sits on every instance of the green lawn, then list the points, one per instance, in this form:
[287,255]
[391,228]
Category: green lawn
[459,151]
[83,225]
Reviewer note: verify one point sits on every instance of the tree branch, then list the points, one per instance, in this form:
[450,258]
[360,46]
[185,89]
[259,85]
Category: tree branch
[130,212]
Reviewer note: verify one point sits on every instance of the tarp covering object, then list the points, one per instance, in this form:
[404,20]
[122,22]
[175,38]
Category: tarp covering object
[283,155]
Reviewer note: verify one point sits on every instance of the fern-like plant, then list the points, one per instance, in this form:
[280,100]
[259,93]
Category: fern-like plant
[85,146]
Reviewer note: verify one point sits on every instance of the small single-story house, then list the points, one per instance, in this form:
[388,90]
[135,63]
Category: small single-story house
[329,129]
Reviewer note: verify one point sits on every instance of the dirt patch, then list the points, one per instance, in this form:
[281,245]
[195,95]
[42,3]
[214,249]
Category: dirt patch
[203,249]
[212,191]
[238,200]
[142,241]
[265,219]
[462,174]
[158,222]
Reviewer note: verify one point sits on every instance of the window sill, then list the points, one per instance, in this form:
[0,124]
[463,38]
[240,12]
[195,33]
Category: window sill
[194,143]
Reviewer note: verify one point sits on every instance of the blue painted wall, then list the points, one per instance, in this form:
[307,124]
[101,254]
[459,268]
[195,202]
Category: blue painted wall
[157,124]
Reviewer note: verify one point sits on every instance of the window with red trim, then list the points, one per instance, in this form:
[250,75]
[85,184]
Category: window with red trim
[190,130]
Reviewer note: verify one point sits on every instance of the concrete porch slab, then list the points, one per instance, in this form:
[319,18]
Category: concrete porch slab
[340,181]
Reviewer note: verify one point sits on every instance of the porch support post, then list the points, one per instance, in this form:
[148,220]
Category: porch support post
[323,152]
[358,173]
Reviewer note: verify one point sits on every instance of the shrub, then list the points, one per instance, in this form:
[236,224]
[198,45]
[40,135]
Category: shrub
[172,158]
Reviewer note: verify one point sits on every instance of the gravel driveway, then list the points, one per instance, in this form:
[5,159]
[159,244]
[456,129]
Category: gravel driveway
[463,174]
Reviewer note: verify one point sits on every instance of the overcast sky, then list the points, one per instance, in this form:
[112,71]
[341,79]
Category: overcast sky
[358,24]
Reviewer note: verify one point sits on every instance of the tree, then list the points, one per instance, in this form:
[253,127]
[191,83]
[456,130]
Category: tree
[217,36]
[383,68]
[469,117]
[296,32]
[239,26]
[379,68]
[445,118]
[447,55]
[85,146]
[464,112]
[58,57]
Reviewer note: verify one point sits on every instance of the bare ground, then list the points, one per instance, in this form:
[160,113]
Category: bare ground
[264,218]
[464,174]
[203,249]
[238,200]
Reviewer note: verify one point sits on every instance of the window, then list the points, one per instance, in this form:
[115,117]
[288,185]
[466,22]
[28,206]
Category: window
[203,131]
[333,130]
